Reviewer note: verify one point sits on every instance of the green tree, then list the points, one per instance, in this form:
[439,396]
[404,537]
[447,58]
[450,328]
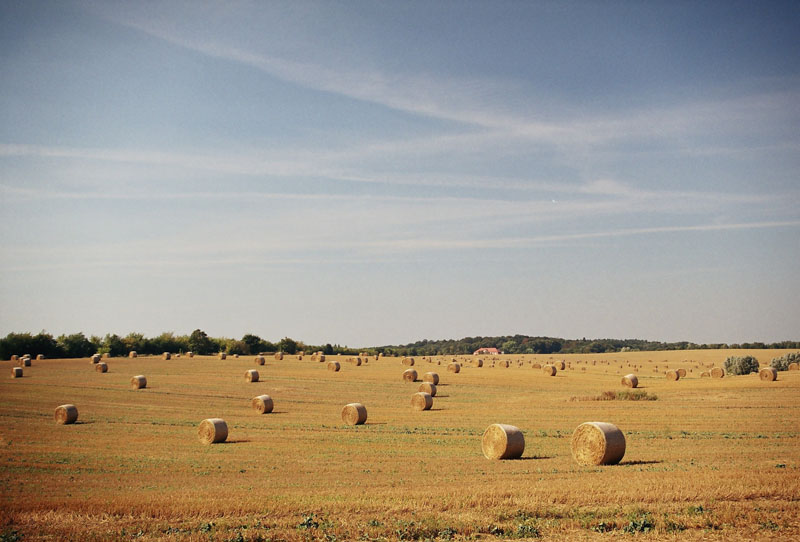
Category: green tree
[200,344]
[288,345]
[254,344]
[76,345]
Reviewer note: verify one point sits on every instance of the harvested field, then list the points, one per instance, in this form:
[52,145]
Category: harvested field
[710,459]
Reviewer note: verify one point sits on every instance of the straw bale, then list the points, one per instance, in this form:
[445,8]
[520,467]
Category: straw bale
[597,443]
[16,372]
[421,401]
[279,356]
[673,375]
[454,368]
[101,367]
[410,375]
[502,441]
[334,366]
[222,355]
[549,370]
[768,374]
[429,388]
[132,354]
[354,414]
[263,404]
[212,430]
[433,378]
[96,358]
[717,372]
[631,381]
[682,372]
[66,414]
[166,355]
[408,361]
[251,375]
[138,382]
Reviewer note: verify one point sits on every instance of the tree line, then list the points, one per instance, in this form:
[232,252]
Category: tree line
[77,345]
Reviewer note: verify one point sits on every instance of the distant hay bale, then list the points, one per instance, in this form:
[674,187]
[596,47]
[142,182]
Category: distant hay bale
[768,374]
[794,366]
[279,356]
[682,373]
[300,357]
[597,443]
[560,365]
[251,375]
[429,388]
[355,361]
[16,372]
[321,357]
[454,368]
[502,441]
[39,357]
[503,363]
[222,355]
[334,366]
[478,363]
[96,358]
[433,378]
[66,414]
[705,374]
[190,354]
[536,366]
[166,355]
[630,381]
[263,404]
[138,382]
[673,375]
[177,356]
[212,430]
[549,370]
[408,361]
[421,401]
[717,372]
[410,375]
[260,360]
[101,367]
[24,362]
[132,354]
[14,357]
[354,414]
[236,356]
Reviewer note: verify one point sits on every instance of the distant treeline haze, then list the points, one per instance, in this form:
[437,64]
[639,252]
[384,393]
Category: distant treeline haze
[77,345]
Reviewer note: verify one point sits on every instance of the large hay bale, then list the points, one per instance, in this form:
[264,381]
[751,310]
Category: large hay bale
[502,441]
[138,382]
[101,367]
[132,354]
[673,375]
[768,374]
[421,401]
[682,373]
[355,361]
[794,366]
[536,366]
[454,368]
[717,372]
[96,358]
[549,370]
[66,414]
[190,354]
[598,443]
[354,414]
[24,362]
[212,430]
[410,375]
[222,355]
[630,381]
[14,357]
[408,361]
[251,375]
[299,357]
[236,356]
[16,372]
[263,404]
[560,365]
[320,357]
[429,388]
[166,355]
[334,366]
[478,363]
[278,356]
[433,378]
[39,357]
[260,360]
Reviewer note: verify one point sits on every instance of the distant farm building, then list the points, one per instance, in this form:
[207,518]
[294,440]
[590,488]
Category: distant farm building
[490,351]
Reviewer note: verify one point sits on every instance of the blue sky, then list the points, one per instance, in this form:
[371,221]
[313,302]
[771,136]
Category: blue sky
[373,173]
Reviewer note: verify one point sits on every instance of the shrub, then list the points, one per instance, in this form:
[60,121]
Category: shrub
[741,365]
[782,363]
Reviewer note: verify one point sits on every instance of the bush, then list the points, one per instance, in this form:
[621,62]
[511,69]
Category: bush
[782,363]
[741,365]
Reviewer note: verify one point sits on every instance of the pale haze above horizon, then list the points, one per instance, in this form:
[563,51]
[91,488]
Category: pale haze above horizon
[370,173]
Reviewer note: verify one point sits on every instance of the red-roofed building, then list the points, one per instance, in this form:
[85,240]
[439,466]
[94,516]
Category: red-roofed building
[490,351]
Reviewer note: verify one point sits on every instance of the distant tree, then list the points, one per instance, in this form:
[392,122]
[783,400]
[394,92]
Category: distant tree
[200,344]
[113,346]
[76,345]
[287,345]
[741,365]
[254,344]
[135,342]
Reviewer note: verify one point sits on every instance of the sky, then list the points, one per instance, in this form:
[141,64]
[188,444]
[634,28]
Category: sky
[369,173]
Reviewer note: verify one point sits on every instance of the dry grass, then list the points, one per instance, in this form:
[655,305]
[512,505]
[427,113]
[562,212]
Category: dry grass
[712,459]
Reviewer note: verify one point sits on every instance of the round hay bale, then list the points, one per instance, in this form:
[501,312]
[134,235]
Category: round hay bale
[410,375]
[768,374]
[24,362]
[299,357]
[222,355]
[212,430]
[454,368]
[682,373]
[260,360]
[251,375]
[433,378]
[630,381]
[356,361]
[503,363]
[549,370]
[421,401]
[536,366]
[66,414]
[502,441]
[429,388]
[190,354]
[138,382]
[263,404]
[334,366]
[354,414]
[705,374]
[132,354]
[408,361]
[39,357]
[236,356]
[597,443]
[321,357]
[101,367]
[794,366]
[14,357]
[717,372]
[560,365]
[96,358]
[166,355]
[16,372]
[478,363]
[673,375]
[279,356]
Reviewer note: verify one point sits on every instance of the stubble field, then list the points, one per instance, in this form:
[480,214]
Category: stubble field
[710,459]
